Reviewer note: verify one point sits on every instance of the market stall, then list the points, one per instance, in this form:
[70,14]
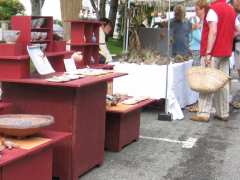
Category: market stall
[145,80]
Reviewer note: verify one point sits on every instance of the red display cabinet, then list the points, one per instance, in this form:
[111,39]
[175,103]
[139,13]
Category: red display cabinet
[85,38]
[28,26]
[14,61]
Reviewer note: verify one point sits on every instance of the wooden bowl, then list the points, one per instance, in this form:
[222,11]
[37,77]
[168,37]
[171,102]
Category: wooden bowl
[22,125]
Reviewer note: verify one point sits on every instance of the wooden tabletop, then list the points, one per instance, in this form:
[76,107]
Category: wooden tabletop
[9,156]
[88,80]
[124,109]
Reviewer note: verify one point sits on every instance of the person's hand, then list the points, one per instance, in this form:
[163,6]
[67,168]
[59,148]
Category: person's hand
[207,60]
[77,56]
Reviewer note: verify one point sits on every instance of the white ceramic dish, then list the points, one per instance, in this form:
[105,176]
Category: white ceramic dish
[10,36]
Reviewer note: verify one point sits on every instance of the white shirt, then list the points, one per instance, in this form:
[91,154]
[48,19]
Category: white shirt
[213,17]
[103,46]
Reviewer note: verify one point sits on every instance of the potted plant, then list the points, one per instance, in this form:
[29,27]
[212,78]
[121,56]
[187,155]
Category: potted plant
[9,8]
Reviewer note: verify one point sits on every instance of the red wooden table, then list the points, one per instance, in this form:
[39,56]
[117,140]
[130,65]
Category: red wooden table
[123,124]
[78,106]
[35,163]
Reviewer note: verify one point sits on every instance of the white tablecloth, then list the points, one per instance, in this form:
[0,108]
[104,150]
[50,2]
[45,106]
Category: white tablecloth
[150,80]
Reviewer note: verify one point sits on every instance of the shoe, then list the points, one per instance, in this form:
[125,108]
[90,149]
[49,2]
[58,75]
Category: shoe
[200,118]
[221,118]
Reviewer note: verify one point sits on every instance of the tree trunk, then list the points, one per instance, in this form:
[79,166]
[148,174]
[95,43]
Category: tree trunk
[95,8]
[113,11]
[70,11]
[102,12]
[36,7]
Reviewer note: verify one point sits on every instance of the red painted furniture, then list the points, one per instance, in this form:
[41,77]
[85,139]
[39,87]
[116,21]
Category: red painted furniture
[24,24]
[82,32]
[14,61]
[123,125]
[78,106]
[5,108]
[36,163]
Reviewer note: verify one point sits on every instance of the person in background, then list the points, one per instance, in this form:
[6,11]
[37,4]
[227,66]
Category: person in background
[180,29]
[216,47]
[197,21]
[195,40]
[236,49]
[105,29]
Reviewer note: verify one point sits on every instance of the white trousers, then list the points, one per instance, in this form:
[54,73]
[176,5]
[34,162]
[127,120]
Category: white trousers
[219,99]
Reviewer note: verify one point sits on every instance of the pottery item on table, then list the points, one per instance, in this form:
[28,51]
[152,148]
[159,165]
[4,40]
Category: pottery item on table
[40,22]
[9,144]
[44,35]
[33,36]
[22,125]
[92,60]
[11,36]
[94,38]
[34,23]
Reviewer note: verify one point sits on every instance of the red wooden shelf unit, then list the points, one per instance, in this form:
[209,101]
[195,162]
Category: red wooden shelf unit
[29,24]
[30,27]
[85,38]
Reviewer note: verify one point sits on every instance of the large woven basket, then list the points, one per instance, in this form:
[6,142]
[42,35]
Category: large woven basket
[206,80]
[22,125]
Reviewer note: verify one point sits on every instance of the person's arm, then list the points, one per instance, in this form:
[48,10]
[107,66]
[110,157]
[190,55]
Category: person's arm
[211,36]
[237,25]
[212,19]
[103,46]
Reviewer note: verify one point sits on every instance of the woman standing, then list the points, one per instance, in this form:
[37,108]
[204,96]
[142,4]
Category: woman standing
[104,30]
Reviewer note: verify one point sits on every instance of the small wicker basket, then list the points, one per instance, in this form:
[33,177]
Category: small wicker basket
[206,80]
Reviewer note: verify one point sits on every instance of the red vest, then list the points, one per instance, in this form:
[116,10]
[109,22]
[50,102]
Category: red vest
[225,30]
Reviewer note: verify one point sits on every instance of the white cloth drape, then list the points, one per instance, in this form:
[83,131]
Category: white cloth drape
[150,81]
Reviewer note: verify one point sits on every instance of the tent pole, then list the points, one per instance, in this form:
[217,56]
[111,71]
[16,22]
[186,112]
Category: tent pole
[127,23]
[166,116]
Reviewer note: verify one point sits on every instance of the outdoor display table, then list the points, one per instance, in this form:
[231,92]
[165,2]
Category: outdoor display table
[150,81]
[32,162]
[78,106]
[123,124]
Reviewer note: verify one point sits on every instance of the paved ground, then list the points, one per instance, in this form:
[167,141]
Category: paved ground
[216,155]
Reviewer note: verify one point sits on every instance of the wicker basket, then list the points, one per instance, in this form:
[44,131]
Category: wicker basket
[206,80]
[22,125]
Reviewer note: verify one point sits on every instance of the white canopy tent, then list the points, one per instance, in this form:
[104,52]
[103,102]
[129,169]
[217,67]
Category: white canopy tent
[126,39]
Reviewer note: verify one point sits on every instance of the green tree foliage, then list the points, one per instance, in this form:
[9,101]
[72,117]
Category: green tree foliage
[10,8]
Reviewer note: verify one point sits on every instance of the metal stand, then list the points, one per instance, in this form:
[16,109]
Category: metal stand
[166,116]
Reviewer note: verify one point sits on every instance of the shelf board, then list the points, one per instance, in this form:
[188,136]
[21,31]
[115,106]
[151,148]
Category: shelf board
[41,41]
[21,57]
[60,53]
[26,57]
[36,17]
[41,29]
[83,44]
[87,21]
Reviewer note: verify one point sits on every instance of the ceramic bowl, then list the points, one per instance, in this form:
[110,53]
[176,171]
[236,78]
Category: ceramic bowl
[40,22]
[34,23]
[44,35]
[10,36]
[22,125]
